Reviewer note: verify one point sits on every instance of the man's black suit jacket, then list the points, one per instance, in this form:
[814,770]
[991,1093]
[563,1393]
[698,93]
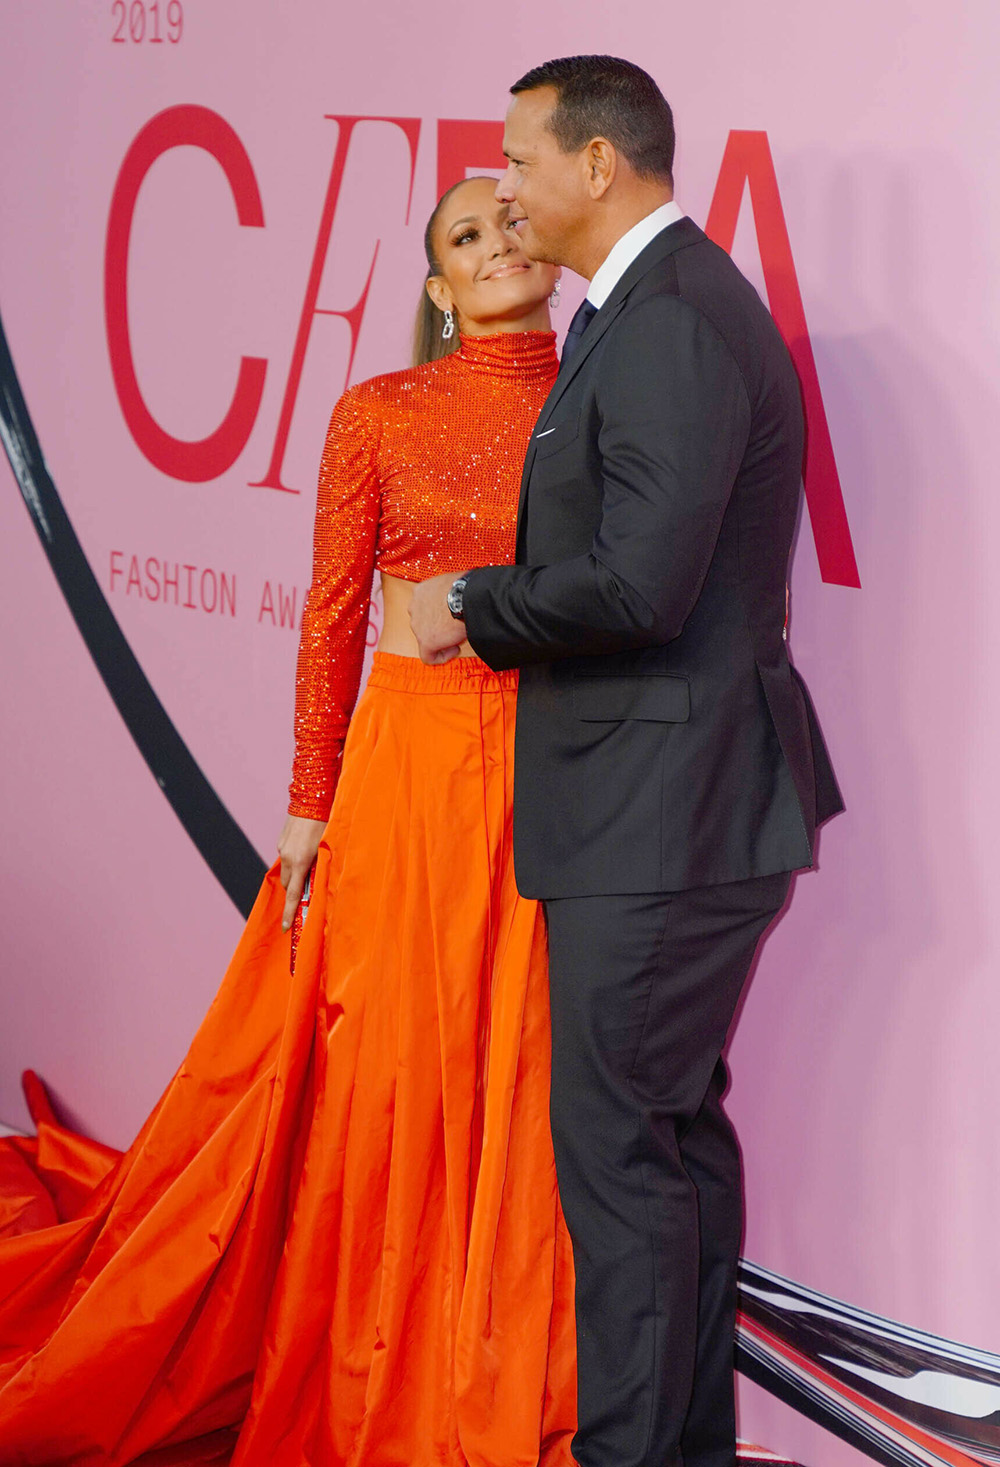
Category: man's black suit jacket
[663,739]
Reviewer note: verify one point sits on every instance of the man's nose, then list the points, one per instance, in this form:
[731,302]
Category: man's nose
[505,186]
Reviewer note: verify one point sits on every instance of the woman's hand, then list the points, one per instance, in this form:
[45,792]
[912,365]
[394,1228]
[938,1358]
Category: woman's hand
[297,847]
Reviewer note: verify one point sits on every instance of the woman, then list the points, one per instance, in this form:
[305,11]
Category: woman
[343,1210]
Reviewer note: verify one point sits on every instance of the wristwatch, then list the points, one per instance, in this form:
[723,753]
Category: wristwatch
[456,597]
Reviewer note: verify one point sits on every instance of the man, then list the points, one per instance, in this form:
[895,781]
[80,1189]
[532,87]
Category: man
[669,772]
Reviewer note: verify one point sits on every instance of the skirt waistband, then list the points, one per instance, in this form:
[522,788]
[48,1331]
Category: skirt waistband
[460,675]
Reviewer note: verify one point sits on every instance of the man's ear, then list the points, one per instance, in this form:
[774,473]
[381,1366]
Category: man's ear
[439,293]
[602,166]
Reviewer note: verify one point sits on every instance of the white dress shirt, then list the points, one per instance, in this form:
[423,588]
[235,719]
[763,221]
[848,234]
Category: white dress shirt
[628,248]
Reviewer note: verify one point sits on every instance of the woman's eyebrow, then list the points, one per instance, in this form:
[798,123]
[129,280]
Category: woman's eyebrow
[502,213]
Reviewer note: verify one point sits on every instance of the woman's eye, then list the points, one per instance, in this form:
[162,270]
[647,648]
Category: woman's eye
[464,238]
[512,224]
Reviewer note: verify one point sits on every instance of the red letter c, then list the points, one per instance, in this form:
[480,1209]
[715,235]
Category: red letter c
[208,457]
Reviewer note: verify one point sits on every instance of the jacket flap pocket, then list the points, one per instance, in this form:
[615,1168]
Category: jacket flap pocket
[656,698]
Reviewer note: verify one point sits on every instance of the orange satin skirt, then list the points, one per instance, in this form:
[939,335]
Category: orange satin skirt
[337,1239]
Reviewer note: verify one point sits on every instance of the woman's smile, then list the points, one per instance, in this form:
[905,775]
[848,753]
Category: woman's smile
[510,268]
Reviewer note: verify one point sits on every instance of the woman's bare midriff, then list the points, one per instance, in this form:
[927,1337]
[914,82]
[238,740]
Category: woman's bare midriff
[397,637]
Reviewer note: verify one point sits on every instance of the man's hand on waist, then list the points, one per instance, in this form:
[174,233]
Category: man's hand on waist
[439,633]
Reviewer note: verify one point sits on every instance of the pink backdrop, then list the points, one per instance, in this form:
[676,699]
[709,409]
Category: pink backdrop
[864,1064]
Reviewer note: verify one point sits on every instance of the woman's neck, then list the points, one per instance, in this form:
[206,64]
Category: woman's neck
[536,320]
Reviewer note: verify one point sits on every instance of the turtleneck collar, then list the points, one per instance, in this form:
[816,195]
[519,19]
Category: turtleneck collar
[524,354]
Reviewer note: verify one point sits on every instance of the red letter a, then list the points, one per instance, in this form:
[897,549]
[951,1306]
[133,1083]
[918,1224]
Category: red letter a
[748,159]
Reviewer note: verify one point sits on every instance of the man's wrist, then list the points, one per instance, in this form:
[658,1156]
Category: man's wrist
[456,596]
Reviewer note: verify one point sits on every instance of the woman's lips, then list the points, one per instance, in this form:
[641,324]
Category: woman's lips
[507,270]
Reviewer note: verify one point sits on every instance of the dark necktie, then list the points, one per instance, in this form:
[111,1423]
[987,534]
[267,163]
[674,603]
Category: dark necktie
[585,313]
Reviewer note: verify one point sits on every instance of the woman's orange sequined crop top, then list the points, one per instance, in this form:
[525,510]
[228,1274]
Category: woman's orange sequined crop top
[420,475]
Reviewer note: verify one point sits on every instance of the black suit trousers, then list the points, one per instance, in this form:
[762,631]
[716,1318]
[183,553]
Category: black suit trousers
[644,989]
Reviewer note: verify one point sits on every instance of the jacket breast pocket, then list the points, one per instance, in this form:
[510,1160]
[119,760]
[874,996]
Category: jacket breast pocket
[556,436]
[652,698]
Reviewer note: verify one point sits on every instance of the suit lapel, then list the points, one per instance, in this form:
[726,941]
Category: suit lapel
[674,237]
[589,340]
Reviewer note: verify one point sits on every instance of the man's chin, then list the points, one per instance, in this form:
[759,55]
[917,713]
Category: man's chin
[535,248]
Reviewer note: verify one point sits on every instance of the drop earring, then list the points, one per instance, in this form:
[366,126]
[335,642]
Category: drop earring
[448,329]
[554,297]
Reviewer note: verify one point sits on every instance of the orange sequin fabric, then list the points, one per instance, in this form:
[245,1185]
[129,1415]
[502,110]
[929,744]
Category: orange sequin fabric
[420,475]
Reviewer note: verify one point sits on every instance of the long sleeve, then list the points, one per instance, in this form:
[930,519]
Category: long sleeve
[335,619]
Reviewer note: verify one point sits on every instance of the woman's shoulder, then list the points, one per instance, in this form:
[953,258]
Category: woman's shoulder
[367,409]
[392,390]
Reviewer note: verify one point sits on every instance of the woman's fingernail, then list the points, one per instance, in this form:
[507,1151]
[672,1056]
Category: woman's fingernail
[285,926]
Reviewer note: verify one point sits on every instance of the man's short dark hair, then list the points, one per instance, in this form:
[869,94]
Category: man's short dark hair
[604,96]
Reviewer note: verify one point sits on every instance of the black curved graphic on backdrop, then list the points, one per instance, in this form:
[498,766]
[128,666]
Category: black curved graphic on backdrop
[229,854]
[902,1396]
